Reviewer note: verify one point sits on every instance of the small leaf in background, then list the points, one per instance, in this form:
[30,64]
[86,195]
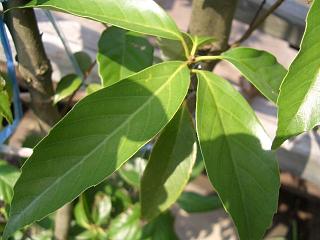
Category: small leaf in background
[236,150]
[200,41]
[194,203]
[170,165]
[101,209]
[122,13]
[5,104]
[122,53]
[93,87]
[172,49]
[126,226]
[132,171]
[8,177]
[84,60]
[299,100]
[81,213]
[95,139]
[67,86]
[161,228]
[258,67]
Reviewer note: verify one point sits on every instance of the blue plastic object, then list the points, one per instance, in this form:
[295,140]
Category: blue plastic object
[9,130]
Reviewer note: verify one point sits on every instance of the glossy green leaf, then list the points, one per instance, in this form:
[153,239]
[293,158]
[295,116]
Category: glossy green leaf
[122,53]
[126,225]
[170,165]
[260,68]
[194,203]
[132,171]
[84,60]
[95,138]
[93,87]
[8,177]
[161,228]
[143,16]
[173,49]
[5,104]
[236,151]
[299,100]
[200,41]
[67,86]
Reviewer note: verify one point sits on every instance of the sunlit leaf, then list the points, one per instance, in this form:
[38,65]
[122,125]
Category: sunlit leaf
[299,100]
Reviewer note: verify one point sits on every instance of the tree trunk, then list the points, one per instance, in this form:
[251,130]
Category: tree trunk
[34,65]
[213,18]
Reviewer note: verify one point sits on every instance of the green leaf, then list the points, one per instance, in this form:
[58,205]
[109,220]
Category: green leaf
[122,53]
[5,104]
[194,203]
[126,225]
[136,15]
[236,152]
[8,177]
[161,228]
[84,60]
[170,165]
[96,137]
[299,100]
[132,171]
[81,213]
[101,209]
[260,68]
[173,49]
[93,87]
[200,41]
[67,86]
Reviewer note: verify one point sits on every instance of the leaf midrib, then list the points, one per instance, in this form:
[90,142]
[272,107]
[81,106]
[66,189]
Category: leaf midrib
[100,144]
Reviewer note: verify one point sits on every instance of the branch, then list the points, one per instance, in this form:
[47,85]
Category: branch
[257,21]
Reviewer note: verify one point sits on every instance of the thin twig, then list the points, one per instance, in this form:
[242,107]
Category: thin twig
[257,13]
[257,23]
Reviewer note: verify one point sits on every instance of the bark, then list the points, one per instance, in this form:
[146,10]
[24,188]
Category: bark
[213,18]
[34,65]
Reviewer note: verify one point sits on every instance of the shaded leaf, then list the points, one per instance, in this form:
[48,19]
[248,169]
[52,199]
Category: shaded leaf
[136,15]
[8,177]
[67,86]
[260,68]
[122,53]
[236,151]
[95,138]
[194,203]
[84,60]
[161,228]
[299,100]
[173,49]
[170,165]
